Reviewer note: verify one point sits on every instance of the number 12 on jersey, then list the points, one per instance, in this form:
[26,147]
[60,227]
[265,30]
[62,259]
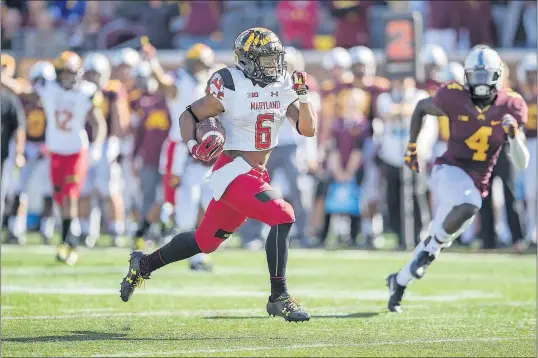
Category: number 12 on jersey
[263,133]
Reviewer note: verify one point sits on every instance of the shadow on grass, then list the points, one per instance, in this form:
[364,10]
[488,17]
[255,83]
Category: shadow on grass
[81,336]
[337,316]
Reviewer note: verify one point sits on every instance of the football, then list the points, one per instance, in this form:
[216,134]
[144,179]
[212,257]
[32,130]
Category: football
[210,127]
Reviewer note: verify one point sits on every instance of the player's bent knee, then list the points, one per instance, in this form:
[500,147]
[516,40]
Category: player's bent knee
[458,216]
[279,212]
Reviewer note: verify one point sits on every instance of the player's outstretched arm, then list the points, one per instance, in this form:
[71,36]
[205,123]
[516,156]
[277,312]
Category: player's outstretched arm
[303,115]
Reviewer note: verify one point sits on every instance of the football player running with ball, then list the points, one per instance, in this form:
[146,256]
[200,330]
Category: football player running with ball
[251,101]
[482,115]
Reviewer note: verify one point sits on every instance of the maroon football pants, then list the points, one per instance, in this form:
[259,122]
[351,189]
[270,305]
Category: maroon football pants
[248,196]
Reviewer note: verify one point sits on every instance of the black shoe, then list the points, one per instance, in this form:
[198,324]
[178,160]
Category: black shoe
[134,277]
[287,307]
[396,293]
[421,263]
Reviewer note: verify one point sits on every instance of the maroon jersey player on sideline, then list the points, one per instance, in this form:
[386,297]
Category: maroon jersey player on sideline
[482,115]
[252,101]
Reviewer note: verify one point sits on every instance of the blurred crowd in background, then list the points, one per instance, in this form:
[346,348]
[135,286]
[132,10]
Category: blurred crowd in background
[89,25]
[341,184]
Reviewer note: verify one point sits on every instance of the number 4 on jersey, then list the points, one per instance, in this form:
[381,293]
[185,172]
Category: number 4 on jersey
[479,142]
[263,133]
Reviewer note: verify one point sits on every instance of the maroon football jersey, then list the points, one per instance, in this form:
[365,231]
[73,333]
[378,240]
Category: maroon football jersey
[476,135]
[35,118]
[348,135]
[153,128]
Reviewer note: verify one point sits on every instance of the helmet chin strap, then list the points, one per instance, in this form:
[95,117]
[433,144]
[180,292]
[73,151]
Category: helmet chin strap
[483,101]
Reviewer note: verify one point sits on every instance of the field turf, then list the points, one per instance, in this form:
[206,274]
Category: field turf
[467,305]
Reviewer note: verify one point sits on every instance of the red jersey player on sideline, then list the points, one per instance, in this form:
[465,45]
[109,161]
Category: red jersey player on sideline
[68,103]
[252,101]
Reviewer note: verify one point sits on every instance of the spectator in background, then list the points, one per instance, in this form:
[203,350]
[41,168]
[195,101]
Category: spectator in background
[442,24]
[476,22]
[12,18]
[155,17]
[239,15]
[68,12]
[298,22]
[201,24]
[519,14]
[351,22]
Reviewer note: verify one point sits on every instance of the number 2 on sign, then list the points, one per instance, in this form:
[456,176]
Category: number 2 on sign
[479,142]
[263,133]
[63,118]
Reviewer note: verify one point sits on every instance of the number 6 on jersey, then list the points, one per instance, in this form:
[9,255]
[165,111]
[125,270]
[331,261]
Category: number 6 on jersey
[263,133]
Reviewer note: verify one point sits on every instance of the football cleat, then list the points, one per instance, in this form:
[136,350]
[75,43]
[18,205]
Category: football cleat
[421,263]
[72,258]
[287,307]
[134,277]
[396,293]
[62,252]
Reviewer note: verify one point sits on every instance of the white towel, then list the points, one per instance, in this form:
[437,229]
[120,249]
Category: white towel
[221,178]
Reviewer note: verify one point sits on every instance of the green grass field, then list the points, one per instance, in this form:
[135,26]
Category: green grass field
[467,305]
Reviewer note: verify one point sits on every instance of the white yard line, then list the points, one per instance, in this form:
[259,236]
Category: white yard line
[318,345]
[361,295]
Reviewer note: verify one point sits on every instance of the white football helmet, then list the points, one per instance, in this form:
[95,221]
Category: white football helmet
[98,63]
[294,59]
[483,72]
[362,55]
[126,56]
[42,69]
[527,64]
[337,57]
[454,71]
[433,55]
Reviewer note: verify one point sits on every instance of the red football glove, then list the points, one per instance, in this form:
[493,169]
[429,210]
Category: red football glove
[299,82]
[206,151]
[410,157]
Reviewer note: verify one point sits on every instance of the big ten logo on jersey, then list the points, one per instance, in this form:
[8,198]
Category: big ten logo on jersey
[35,126]
[158,120]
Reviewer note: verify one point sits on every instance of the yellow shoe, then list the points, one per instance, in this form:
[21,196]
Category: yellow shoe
[140,243]
[62,252]
[72,258]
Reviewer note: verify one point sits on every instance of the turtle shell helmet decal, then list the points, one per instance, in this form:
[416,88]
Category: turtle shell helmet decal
[259,54]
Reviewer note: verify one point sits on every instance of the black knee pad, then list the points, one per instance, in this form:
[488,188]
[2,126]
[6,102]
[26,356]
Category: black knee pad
[48,205]
[466,211]
[459,215]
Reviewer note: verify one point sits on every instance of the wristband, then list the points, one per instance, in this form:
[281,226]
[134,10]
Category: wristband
[190,144]
[304,98]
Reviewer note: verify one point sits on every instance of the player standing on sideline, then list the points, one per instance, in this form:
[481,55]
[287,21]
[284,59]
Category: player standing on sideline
[69,102]
[37,162]
[482,115]
[363,66]
[105,176]
[252,101]
[181,174]
[433,58]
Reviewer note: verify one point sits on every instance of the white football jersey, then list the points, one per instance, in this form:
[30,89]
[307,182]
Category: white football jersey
[66,112]
[189,89]
[252,114]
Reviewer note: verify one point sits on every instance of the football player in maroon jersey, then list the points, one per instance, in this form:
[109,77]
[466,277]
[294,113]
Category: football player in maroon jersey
[482,116]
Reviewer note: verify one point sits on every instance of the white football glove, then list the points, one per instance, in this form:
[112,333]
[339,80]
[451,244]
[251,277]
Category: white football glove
[510,125]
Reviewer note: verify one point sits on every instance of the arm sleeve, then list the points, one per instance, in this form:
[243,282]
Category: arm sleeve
[222,87]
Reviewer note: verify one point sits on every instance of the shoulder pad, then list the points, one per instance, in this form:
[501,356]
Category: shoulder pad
[454,86]
[227,78]
[113,86]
